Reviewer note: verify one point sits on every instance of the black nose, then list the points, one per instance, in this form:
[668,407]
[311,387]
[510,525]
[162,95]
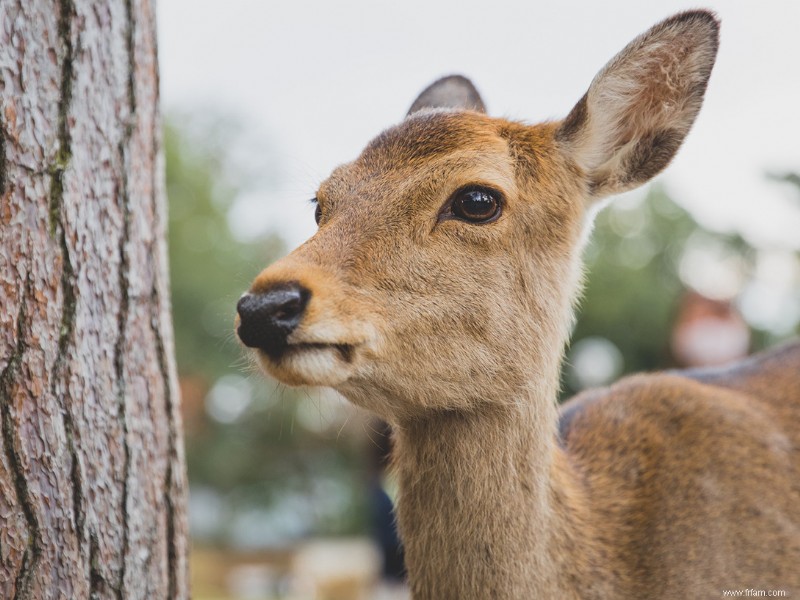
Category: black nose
[267,319]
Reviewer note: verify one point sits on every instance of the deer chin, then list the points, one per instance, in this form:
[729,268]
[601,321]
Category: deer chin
[318,364]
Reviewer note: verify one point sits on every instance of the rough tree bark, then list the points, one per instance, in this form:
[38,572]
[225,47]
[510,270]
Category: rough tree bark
[92,483]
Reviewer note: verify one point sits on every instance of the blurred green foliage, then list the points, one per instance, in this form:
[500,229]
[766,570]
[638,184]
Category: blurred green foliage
[792,179]
[210,268]
[255,453]
[633,283]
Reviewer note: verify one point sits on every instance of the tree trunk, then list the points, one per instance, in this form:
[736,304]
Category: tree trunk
[92,480]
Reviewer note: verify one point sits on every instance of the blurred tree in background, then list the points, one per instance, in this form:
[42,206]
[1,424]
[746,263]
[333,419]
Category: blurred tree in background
[266,463]
[645,254]
[792,179]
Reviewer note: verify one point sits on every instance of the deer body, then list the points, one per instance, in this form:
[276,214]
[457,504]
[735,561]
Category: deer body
[698,475]
[438,294]
[663,486]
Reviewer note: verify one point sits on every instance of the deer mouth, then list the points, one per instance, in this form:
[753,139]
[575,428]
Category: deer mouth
[311,363]
[344,351]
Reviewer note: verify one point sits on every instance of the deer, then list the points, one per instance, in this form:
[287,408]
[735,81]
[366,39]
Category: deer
[438,293]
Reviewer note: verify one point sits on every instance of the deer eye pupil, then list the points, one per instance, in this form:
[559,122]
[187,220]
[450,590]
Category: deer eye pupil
[318,213]
[476,205]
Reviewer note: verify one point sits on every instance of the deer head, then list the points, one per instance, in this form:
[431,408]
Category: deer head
[446,262]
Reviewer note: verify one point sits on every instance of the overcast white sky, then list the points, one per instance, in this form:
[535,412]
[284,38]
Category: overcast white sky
[321,78]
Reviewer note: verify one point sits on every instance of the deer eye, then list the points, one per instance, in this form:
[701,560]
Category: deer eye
[476,205]
[317,210]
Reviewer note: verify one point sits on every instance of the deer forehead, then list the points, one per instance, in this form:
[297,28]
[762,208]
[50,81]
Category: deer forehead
[433,153]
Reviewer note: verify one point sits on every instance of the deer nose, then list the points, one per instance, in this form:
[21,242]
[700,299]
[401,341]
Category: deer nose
[266,319]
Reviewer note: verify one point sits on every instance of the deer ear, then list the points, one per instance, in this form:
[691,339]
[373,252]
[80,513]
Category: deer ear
[453,91]
[640,106]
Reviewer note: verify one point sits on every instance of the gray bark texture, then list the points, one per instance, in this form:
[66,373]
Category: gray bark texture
[92,475]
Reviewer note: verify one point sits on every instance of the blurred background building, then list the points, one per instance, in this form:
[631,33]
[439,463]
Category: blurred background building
[261,101]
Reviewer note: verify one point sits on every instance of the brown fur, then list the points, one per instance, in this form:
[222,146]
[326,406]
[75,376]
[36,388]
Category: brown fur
[662,486]
[698,475]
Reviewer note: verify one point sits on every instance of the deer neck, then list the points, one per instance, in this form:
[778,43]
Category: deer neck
[488,506]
